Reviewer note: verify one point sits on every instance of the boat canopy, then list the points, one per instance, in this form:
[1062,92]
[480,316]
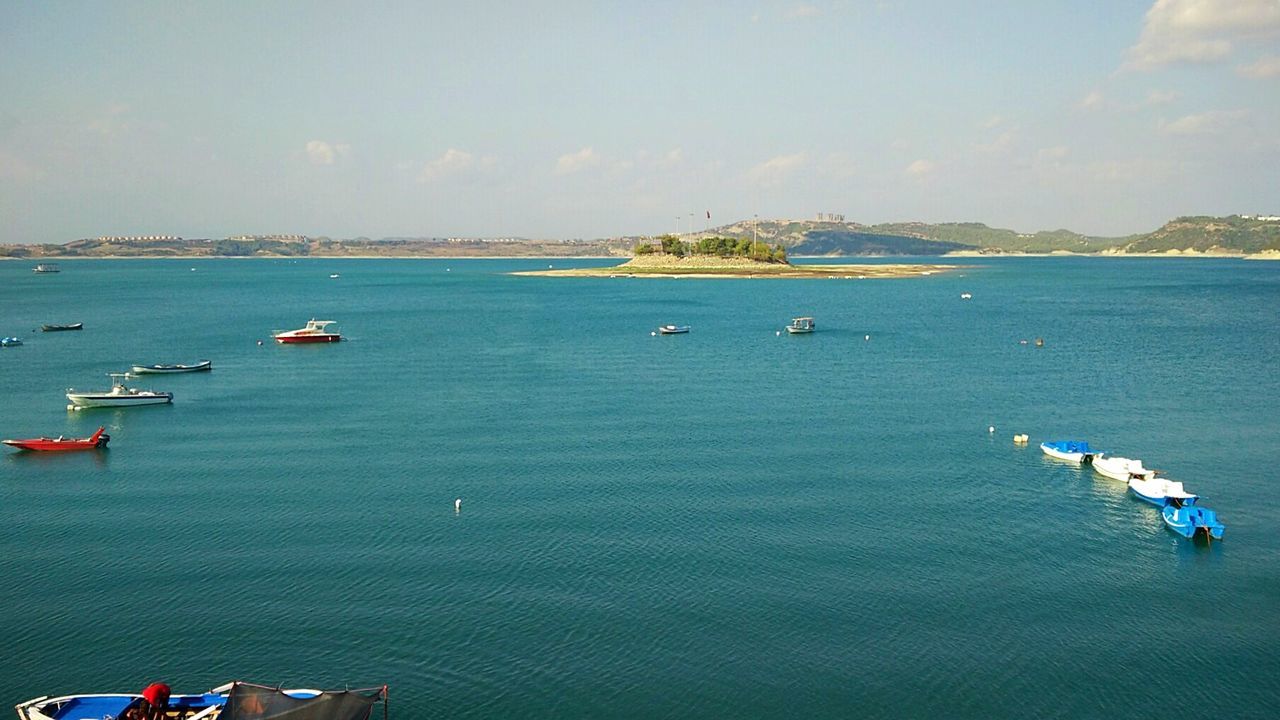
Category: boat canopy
[248,701]
[1070,446]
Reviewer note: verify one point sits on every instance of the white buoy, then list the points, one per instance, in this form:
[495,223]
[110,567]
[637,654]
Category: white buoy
[991,428]
[778,333]
[866,337]
[457,505]
[259,342]
[652,334]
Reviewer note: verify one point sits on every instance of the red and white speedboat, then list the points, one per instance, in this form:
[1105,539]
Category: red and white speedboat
[314,332]
[61,444]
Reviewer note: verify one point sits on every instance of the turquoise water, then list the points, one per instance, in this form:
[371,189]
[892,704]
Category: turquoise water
[729,523]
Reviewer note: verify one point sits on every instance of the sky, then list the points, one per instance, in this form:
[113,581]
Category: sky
[600,119]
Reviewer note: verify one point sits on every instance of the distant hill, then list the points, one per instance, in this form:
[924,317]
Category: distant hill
[1234,234]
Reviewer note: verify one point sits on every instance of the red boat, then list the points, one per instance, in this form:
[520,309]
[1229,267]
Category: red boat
[61,444]
[314,332]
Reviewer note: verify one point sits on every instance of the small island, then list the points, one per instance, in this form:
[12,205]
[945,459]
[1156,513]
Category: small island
[722,257]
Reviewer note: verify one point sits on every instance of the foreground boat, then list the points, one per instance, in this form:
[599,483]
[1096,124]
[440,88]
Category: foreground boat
[233,701]
[673,329]
[1070,450]
[1118,468]
[801,326]
[117,396]
[61,444]
[46,268]
[1192,520]
[60,328]
[1162,492]
[201,366]
[10,342]
[314,332]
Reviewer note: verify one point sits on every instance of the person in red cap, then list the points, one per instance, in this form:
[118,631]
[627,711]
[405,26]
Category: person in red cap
[155,700]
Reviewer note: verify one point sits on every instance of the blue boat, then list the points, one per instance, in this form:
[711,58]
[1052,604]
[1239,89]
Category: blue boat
[1076,451]
[232,701]
[1192,520]
[10,342]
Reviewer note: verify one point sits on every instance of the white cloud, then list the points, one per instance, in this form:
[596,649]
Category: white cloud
[1051,154]
[1265,67]
[452,162]
[1000,145]
[775,171]
[1161,97]
[803,11]
[1201,30]
[320,152]
[992,122]
[1092,100]
[578,161]
[921,168]
[1209,123]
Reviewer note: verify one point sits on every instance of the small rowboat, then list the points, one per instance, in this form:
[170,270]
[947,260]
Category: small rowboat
[61,444]
[201,366]
[60,328]
[673,329]
[10,342]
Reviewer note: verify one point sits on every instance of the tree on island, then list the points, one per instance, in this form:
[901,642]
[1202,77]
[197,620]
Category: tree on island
[724,247]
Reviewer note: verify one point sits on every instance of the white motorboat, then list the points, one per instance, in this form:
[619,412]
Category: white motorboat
[673,329]
[801,326]
[1162,492]
[316,331]
[1124,469]
[117,396]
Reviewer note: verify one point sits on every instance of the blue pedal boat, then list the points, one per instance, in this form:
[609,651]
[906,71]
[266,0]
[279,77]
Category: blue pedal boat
[233,701]
[1192,520]
[1076,451]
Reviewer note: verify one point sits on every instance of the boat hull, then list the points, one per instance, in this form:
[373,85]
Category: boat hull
[61,328]
[97,400]
[673,330]
[306,339]
[169,369]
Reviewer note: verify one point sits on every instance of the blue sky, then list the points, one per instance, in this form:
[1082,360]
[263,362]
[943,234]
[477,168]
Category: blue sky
[583,120]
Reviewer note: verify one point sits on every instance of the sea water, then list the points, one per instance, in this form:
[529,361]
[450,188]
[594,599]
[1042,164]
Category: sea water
[730,523]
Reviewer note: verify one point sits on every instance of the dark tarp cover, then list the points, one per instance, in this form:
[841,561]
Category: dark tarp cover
[256,702]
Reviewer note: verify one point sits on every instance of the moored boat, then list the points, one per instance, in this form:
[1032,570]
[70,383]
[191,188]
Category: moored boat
[233,701]
[801,325]
[314,332]
[1192,520]
[201,366]
[60,328]
[60,444]
[118,396]
[46,268]
[1118,468]
[1162,492]
[1076,451]
[673,329]
[10,342]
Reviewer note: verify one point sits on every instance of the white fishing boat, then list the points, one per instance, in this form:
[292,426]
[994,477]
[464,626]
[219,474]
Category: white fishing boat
[801,326]
[673,329]
[118,396]
[1124,469]
[202,366]
[46,268]
[316,331]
